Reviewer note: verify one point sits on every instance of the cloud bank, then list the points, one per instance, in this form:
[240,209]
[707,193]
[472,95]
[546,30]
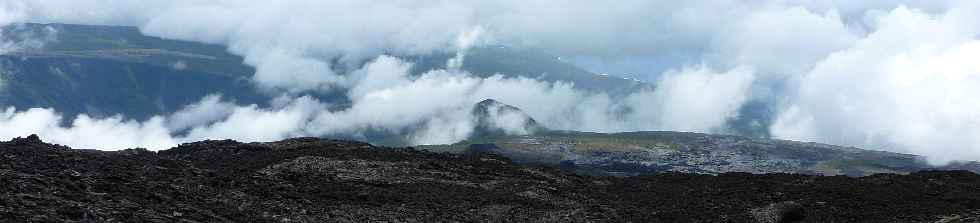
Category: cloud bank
[891,75]
[909,86]
[434,108]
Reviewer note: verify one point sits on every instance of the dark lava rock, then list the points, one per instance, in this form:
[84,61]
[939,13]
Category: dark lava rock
[317,180]
[782,212]
[31,139]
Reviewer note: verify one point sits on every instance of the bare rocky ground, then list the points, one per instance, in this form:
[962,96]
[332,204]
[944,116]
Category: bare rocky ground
[644,153]
[317,180]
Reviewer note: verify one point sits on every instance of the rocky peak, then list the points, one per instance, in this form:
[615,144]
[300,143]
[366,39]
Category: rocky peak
[31,139]
[495,118]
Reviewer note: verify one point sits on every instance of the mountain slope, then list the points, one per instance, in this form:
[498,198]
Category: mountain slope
[107,70]
[125,44]
[314,180]
[640,153]
[104,87]
[512,62]
[496,118]
[104,71]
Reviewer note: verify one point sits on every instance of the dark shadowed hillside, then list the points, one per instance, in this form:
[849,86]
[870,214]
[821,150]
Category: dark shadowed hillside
[107,70]
[315,180]
[104,87]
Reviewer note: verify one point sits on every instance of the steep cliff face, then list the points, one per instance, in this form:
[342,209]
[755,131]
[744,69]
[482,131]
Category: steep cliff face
[317,180]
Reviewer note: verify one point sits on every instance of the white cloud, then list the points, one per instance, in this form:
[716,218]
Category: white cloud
[694,99]
[207,111]
[510,121]
[291,42]
[250,123]
[432,108]
[86,132]
[783,41]
[179,65]
[910,86]
[701,95]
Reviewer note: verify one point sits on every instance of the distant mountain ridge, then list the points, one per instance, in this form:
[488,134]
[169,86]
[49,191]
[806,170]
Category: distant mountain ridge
[486,61]
[107,70]
[642,153]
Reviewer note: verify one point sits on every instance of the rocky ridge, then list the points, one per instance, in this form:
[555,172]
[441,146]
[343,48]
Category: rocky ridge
[640,153]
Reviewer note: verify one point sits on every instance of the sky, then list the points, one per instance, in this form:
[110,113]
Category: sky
[887,75]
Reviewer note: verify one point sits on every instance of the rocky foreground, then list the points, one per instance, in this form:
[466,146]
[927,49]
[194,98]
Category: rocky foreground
[316,180]
[645,153]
